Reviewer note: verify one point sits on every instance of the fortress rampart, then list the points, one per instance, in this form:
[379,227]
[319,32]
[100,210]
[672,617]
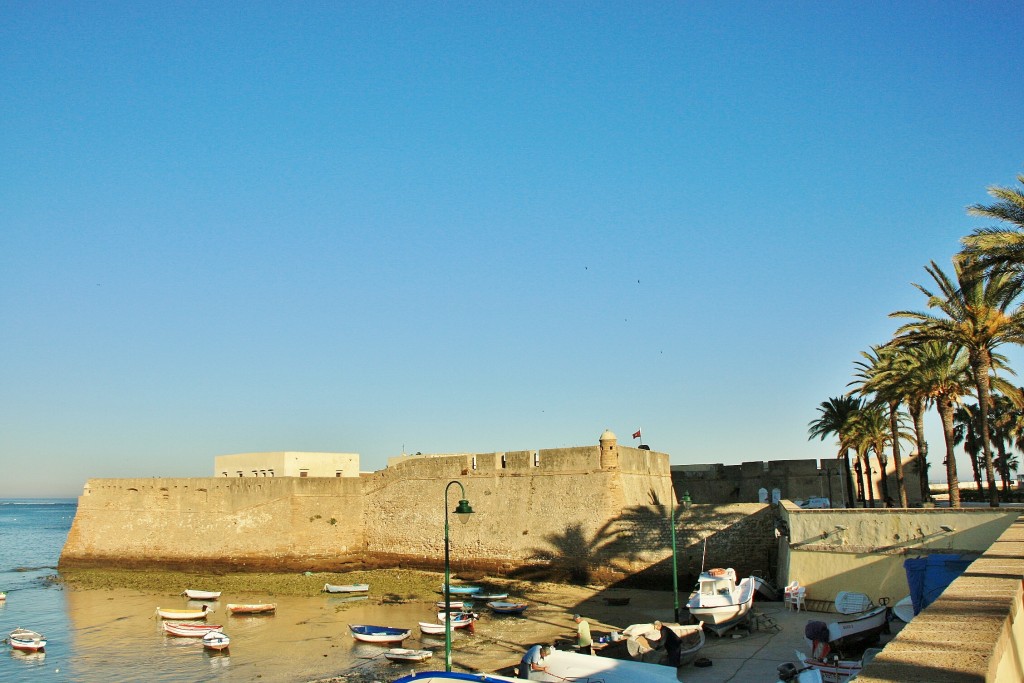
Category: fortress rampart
[603,506]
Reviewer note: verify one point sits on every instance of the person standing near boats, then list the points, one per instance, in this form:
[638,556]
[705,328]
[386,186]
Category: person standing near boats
[534,660]
[584,642]
[670,641]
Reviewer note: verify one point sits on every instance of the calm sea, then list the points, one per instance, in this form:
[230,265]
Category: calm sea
[100,636]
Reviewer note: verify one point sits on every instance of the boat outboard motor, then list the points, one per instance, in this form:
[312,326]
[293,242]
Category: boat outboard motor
[787,672]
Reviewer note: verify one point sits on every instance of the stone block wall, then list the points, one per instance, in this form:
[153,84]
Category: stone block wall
[238,523]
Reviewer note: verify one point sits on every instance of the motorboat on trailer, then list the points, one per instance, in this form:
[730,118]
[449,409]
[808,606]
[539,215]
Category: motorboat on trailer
[720,601]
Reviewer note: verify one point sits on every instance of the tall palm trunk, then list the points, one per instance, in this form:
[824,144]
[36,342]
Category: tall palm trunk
[917,412]
[982,365]
[883,468]
[851,500]
[866,473]
[897,461]
[946,410]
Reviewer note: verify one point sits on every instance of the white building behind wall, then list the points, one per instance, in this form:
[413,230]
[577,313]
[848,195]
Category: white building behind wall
[287,464]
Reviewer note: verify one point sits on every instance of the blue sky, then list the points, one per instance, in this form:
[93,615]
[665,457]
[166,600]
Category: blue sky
[465,227]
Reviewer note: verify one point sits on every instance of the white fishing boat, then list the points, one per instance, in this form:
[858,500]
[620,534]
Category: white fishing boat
[26,640]
[200,595]
[216,640]
[572,666]
[844,634]
[400,654]
[454,605]
[460,621]
[719,601]
[448,677]
[346,588]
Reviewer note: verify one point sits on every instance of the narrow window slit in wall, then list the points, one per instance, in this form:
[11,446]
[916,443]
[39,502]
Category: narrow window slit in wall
[503,463]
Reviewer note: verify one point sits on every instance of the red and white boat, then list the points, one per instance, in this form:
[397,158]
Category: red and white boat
[185,629]
[256,608]
[216,640]
[26,641]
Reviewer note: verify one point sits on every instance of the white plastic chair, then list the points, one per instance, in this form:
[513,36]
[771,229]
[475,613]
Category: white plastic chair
[794,595]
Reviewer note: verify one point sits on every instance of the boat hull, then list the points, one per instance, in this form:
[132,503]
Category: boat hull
[183,614]
[216,640]
[378,634]
[201,595]
[251,609]
[508,607]
[189,630]
[860,628]
[347,588]
[722,612]
[26,641]
[398,654]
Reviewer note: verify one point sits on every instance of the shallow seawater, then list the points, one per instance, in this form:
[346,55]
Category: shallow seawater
[104,635]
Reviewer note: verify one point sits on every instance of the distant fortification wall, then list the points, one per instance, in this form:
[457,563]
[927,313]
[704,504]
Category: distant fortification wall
[795,479]
[602,507]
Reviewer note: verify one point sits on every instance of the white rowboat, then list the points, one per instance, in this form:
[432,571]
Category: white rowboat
[185,629]
[398,654]
[216,640]
[201,595]
[26,641]
[183,614]
[346,588]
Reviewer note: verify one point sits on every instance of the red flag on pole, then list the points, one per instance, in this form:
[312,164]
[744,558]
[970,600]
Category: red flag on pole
[636,434]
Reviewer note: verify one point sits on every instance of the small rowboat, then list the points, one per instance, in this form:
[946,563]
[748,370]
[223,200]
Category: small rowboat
[459,620]
[508,607]
[262,608]
[398,654]
[26,641]
[490,596]
[216,640]
[438,629]
[461,590]
[183,614]
[455,605]
[201,595]
[187,629]
[346,588]
[3,596]
[378,634]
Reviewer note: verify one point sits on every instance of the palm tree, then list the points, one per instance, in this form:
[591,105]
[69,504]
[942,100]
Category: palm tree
[834,414]
[979,314]
[934,372]
[1000,248]
[881,375]
[869,432]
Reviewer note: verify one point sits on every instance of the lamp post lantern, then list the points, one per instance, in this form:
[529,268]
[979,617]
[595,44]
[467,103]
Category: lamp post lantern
[463,510]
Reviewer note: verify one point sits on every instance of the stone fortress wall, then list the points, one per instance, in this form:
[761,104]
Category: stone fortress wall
[603,505]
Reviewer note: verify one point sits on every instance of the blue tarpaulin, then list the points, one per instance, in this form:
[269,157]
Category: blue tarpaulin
[928,577]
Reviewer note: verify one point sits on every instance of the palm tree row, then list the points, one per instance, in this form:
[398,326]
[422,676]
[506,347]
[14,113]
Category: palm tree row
[936,358]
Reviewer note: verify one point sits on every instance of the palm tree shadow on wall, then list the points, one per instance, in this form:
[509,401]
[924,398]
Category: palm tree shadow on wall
[619,546]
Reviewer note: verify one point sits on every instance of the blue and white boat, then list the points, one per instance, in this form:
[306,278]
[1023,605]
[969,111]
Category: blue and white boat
[508,607]
[378,634]
[461,590]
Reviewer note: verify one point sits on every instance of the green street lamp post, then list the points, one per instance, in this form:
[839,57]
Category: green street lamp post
[675,567]
[463,510]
